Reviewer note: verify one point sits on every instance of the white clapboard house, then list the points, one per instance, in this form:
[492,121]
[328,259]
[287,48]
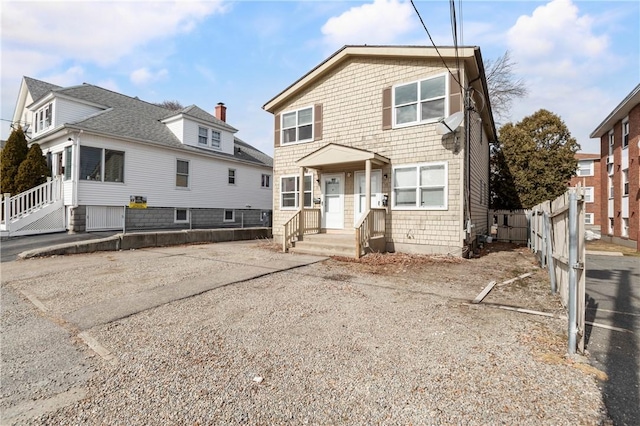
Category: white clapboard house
[119,162]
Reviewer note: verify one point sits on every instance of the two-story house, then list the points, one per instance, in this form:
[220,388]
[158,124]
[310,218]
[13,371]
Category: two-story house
[589,177]
[125,163]
[619,136]
[386,147]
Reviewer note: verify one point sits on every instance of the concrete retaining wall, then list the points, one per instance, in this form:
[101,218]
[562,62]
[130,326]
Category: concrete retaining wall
[150,239]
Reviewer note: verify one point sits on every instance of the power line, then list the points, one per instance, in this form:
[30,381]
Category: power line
[434,45]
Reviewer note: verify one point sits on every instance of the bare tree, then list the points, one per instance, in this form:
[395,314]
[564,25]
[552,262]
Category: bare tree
[172,105]
[503,86]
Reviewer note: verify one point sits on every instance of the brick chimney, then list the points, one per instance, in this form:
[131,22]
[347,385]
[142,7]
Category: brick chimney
[221,112]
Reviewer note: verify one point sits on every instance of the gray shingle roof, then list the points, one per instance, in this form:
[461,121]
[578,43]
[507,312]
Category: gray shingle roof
[132,118]
[38,88]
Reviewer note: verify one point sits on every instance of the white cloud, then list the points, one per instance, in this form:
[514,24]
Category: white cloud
[68,77]
[143,76]
[380,22]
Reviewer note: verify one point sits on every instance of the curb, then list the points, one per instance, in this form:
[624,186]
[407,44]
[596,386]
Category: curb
[604,253]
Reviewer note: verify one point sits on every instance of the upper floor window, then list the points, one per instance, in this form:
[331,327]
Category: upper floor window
[182,173]
[625,134]
[215,139]
[105,165]
[44,117]
[203,136]
[266,181]
[625,182]
[611,191]
[420,186]
[232,176]
[585,168]
[297,126]
[611,142]
[419,101]
[588,194]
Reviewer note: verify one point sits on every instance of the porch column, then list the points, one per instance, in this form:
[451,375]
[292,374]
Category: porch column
[367,185]
[301,203]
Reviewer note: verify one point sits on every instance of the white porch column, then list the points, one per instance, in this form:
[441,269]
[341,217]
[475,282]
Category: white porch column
[301,203]
[367,185]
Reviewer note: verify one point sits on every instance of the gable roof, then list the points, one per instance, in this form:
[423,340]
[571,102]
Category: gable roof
[38,88]
[133,119]
[470,55]
[618,113]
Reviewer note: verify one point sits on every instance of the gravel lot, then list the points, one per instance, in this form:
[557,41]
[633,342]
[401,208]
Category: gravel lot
[388,341]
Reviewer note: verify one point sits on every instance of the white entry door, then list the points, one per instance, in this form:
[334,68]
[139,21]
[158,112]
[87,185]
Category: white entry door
[333,203]
[359,190]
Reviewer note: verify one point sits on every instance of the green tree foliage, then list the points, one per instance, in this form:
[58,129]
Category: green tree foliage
[33,171]
[532,162]
[13,154]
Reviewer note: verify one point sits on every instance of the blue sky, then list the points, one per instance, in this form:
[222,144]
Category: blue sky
[579,59]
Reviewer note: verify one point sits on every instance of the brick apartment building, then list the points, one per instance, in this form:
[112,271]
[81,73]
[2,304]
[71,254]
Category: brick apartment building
[589,177]
[619,137]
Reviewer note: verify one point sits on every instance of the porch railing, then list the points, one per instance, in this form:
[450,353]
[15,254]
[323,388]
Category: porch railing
[372,225]
[292,231]
[31,200]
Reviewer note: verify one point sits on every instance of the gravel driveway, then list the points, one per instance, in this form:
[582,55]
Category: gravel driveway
[327,343]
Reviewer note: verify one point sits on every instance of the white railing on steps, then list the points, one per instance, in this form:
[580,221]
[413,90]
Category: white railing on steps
[24,203]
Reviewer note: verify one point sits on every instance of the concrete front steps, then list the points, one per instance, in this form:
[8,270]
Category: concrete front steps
[326,245]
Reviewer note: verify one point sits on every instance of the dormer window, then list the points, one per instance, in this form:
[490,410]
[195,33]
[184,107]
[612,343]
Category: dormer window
[215,139]
[209,137]
[203,136]
[44,118]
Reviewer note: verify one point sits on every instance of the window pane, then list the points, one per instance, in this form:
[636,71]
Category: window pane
[228,215]
[215,139]
[289,135]
[181,214]
[432,197]
[406,114]
[182,180]
[67,163]
[307,183]
[432,175]
[432,88]
[289,200]
[405,177]
[307,199]
[305,133]
[305,116]
[406,94]
[90,162]
[289,119]
[113,166]
[405,197]
[288,184]
[183,167]
[432,109]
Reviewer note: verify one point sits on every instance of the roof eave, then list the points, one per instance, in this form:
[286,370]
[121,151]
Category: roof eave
[618,113]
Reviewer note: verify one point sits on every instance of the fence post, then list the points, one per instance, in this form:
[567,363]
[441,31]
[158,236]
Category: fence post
[573,260]
[543,249]
[6,203]
[550,262]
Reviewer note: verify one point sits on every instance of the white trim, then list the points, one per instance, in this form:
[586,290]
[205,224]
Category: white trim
[589,172]
[175,215]
[591,192]
[188,174]
[394,123]
[233,215]
[296,111]
[417,167]
[589,218]
[235,176]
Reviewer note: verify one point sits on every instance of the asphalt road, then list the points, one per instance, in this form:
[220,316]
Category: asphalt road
[613,299]
[11,247]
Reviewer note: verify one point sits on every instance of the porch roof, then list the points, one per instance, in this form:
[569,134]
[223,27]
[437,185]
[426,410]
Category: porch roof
[334,154]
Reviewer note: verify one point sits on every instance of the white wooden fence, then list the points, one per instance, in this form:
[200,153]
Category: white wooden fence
[557,239]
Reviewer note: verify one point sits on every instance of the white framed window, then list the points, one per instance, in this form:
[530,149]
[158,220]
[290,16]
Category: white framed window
[68,152]
[229,216]
[612,141]
[297,126]
[43,118]
[290,190]
[585,168]
[588,194]
[420,186]
[588,218]
[182,173]
[625,226]
[611,189]
[625,183]
[181,216]
[203,136]
[611,226]
[232,177]
[625,134]
[420,101]
[102,165]
[265,181]
[610,169]
[215,139]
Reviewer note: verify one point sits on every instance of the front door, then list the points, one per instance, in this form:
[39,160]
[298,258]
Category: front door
[333,203]
[359,190]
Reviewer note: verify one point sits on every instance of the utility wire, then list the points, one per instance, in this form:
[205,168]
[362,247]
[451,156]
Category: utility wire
[434,45]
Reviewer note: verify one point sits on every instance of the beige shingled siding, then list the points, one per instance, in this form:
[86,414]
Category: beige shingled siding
[351,96]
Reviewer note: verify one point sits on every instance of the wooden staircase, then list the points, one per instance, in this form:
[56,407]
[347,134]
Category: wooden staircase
[326,245]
